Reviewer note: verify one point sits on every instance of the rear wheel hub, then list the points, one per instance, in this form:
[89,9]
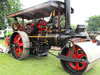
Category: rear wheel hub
[16,45]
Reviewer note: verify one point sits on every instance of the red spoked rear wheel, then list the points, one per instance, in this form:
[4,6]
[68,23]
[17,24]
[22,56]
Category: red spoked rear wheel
[18,45]
[74,67]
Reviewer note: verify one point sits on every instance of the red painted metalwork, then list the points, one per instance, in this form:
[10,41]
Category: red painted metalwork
[79,54]
[93,41]
[21,27]
[7,41]
[18,45]
[42,25]
[32,25]
[76,40]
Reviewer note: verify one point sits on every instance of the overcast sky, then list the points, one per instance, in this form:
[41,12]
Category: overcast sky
[83,9]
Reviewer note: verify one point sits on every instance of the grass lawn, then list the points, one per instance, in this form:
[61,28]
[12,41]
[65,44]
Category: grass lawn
[32,66]
[2,42]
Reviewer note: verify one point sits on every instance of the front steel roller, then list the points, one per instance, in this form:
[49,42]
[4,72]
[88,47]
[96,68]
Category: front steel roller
[20,45]
[74,67]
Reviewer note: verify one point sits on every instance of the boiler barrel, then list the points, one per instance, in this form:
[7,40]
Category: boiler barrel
[53,39]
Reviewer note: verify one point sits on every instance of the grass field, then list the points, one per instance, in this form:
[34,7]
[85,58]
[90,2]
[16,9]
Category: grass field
[32,66]
[2,42]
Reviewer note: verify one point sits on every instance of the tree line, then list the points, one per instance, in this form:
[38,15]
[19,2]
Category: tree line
[93,23]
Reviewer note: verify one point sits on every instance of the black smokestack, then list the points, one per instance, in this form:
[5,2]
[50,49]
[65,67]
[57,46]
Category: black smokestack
[67,13]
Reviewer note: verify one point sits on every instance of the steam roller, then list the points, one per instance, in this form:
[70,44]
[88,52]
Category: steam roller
[76,58]
[78,53]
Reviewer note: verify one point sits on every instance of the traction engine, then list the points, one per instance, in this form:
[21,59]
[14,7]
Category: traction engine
[36,37]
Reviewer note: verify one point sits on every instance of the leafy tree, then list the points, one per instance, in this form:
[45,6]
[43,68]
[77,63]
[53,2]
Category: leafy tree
[8,7]
[73,26]
[94,23]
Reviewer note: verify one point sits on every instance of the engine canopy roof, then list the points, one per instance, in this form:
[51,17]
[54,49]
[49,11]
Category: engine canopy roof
[39,11]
